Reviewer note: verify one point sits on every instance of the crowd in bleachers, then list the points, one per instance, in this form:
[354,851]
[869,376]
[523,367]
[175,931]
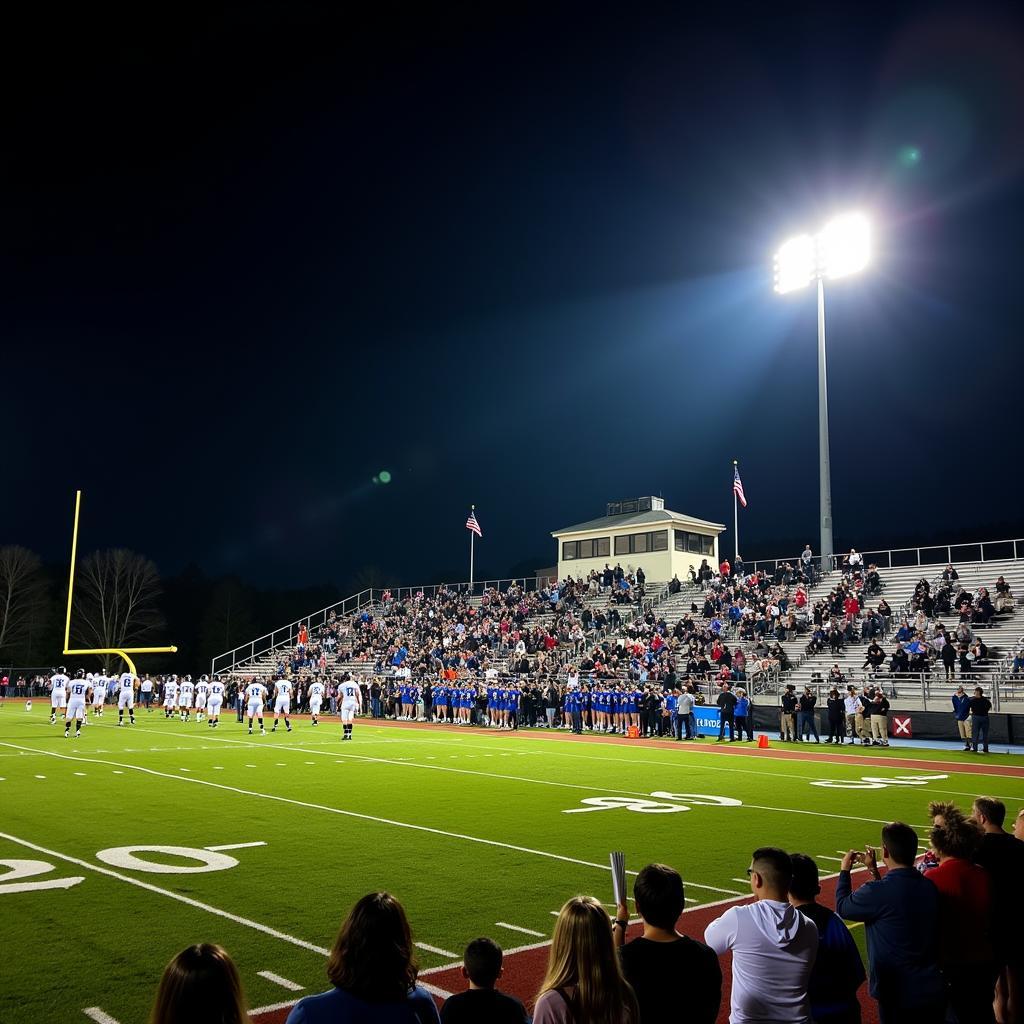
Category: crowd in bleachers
[943,947]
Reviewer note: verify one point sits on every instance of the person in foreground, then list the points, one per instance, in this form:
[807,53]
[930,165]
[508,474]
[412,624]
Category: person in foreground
[901,911]
[482,1003]
[584,982]
[773,947]
[838,970]
[200,986]
[654,962]
[373,972]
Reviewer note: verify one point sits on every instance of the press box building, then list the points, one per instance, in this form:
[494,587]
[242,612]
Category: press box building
[638,533]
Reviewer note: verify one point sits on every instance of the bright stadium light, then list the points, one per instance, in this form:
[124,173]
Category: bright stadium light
[842,247]
[794,264]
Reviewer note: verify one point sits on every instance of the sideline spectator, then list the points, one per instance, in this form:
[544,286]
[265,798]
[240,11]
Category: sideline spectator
[854,716]
[744,714]
[584,982]
[901,911]
[200,986]
[727,713]
[773,946]
[961,713]
[481,965]
[980,707]
[373,971]
[965,911]
[838,970]
[1002,856]
[654,962]
[836,708]
[787,716]
[806,719]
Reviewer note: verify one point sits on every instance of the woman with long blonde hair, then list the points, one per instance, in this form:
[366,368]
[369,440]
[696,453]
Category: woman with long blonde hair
[200,986]
[584,982]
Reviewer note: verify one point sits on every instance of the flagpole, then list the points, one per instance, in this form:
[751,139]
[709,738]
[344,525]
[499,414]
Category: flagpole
[472,537]
[735,512]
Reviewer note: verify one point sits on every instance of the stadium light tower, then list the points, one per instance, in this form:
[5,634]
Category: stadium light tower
[842,247]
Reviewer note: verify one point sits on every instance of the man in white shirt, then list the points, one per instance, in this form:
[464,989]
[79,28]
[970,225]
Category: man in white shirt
[126,698]
[773,946]
[254,694]
[58,693]
[351,702]
[282,702]
[854,710]
[99,692]
[146,689]
[214,702]
[316,699]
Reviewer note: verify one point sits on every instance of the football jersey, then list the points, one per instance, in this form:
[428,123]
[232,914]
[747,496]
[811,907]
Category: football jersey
[349,690]
[255,692]
[58,682]
[216,688]
[202,689]
[186,690]
[78,687]
[283,688]
[170,688]
[127,681]
[316,690]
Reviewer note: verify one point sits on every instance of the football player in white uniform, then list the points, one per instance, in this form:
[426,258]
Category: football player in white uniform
[282,702]
[351,702]
[126,697]
[214,702]
[99,692]
[58,694]
[316,699]
[78,690]
[170,695]
[186,693]
[254,695]
[202,696]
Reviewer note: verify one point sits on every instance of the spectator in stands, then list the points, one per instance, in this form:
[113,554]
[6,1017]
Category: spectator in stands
[481,966]
[838,970]
[965,944]
[962,715]
[373,971]
[1004,596]
[773,946]
[655,962]
[874,657]
[948,655]
[901,911]
[980,706]
[584,982]
[200,986]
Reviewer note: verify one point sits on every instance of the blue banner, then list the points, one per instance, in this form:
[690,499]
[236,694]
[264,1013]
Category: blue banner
[707,719]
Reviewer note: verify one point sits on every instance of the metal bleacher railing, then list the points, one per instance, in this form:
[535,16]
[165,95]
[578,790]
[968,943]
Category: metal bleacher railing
[286,636]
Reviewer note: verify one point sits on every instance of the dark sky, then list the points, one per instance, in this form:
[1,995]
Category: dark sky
[255,254]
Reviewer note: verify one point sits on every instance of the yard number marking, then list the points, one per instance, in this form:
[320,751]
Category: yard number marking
[875,782]
[18,868]
[644,806]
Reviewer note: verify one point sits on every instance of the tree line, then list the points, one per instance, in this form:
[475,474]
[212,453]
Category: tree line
[120,600]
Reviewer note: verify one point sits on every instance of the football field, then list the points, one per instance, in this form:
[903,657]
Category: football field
[125,845]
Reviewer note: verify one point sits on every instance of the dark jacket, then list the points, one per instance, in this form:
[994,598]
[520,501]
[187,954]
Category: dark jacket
[901,911]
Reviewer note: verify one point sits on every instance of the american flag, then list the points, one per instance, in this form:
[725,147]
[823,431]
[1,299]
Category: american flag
[472,524]
[737,486]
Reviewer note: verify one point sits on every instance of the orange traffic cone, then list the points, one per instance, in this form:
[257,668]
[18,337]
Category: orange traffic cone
[762,741]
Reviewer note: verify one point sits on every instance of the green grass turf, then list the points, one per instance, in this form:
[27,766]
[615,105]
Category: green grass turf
[490,843]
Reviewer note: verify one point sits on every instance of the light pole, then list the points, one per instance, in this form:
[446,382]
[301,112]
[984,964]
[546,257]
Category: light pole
[842,247]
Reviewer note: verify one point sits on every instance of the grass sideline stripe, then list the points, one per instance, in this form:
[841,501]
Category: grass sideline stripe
[98,1015]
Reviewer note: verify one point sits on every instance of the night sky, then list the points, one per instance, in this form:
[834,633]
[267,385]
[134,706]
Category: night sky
[253,255]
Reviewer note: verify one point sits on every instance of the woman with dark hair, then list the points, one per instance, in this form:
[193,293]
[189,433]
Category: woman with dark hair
[373,971]
[200,986]
[584,982]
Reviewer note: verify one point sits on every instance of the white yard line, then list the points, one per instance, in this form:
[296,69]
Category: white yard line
[187,900]
[234,846]
[518,928]
[434,949]
[278,980]
[96,1014]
